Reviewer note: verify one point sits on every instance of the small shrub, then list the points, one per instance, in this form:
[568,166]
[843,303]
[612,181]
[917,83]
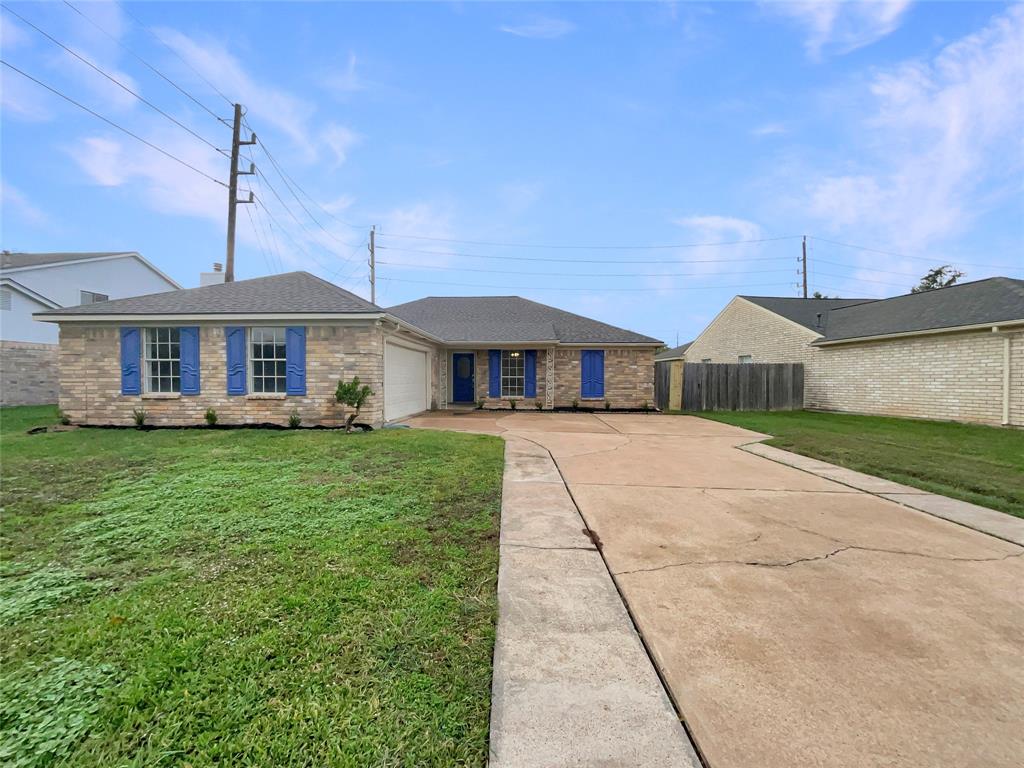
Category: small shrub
[607,405]
[294,420]
[575,403]
[354,395]
[210,416]
[480,404]
[645,406]
[538,405]
[64,418]
[512,402]
[140,416]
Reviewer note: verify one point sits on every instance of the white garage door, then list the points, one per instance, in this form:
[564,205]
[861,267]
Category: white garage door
[405,381]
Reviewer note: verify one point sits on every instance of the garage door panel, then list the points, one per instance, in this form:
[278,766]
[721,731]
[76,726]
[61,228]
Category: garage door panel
[405,381]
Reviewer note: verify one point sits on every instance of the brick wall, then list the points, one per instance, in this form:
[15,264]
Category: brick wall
[482,372]
[955,377]
[628,377]
[90,386]
[950,376]
[28,373]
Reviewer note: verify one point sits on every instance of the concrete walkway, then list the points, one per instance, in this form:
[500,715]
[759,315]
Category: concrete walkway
[797,619]
[572,683]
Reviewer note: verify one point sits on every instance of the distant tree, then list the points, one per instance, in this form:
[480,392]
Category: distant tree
[939,277]
[820,295]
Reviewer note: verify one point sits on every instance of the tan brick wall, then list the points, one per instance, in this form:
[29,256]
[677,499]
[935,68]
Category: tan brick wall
[628,377]
[90,388]
[482,373]
[955,377]
[951,376]
[28,373]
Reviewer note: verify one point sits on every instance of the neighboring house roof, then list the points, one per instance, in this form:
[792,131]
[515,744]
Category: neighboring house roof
[981,302]
[676,353]
[14,285]
[803,311]
[288,293]
[508,319]
[15,261]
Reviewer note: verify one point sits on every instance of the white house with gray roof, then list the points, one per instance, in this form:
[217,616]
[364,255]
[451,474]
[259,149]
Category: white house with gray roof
[954,353]
[259,350]
[37,282]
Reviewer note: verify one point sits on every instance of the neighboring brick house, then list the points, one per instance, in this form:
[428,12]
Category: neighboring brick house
[34,282]
[955,353]
[258,350]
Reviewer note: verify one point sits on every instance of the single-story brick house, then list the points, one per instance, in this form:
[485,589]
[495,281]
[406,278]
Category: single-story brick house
[258,350]
[955,353]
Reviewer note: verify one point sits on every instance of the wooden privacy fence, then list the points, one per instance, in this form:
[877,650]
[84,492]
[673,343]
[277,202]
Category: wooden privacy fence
[662,369]
[743,386]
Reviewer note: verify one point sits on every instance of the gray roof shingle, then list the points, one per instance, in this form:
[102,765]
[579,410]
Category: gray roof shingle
[507,319]
[288,293]
[19,260]
[673,354]
[993,300]
[802,311]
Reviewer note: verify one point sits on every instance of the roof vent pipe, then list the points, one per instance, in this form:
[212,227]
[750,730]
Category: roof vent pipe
[817,323]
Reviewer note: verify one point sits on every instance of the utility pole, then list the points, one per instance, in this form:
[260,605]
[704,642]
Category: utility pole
[373,267]
[805,266]
[233,201]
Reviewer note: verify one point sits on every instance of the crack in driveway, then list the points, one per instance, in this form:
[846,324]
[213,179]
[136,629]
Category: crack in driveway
[788,563]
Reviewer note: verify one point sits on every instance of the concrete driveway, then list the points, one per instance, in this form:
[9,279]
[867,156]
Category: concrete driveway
[797,621]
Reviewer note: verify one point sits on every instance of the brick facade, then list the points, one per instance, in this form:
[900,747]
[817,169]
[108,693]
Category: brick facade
[949,376]
[28,373]
[628,379]
[90,387]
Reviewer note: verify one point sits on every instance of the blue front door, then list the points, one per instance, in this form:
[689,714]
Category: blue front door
[463,390]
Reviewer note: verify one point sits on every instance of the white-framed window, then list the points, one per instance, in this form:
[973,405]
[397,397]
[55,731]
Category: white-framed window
[91,297]
[162,353]
[267,360]
[746,358]
[513,373]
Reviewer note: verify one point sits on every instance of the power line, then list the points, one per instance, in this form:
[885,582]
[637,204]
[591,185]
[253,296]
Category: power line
[286,177]
[866,269]
[111,78]
[259,242]
[180,58]
[325,267]
[861,279]
[146,63]
[551,288]
[582,261]
[594,247]
[574,274]
[110,122]
[903,255]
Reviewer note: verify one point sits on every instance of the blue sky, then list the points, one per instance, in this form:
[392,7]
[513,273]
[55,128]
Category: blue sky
[494,132]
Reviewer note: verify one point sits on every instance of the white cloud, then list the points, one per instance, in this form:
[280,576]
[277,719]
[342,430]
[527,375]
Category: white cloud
[346,80]
[714,229]
[541,28]
[937,136]
[518,197]
[265,104]
[770,129]
[13,201]
[841,25]
[339,141]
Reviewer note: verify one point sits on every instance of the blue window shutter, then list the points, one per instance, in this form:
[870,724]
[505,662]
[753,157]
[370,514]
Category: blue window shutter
[494,372]
[592,373]
[234,338]
[131,361]
[189,350]
[530,373]
[295,354]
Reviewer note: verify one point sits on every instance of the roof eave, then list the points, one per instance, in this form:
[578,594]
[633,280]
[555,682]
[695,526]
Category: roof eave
[116,317]
[995,325]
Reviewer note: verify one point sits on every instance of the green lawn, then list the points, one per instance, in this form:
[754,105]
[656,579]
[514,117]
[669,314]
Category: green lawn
[191,598]
[983,465]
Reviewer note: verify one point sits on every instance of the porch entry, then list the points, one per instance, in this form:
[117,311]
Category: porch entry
[463,388]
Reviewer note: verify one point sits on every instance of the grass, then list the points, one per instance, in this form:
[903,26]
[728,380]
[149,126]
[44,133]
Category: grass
[293,598]
[979,464]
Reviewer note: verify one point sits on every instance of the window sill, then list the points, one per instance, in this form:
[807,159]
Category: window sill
[161,395]
[593,399]
[266,396]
